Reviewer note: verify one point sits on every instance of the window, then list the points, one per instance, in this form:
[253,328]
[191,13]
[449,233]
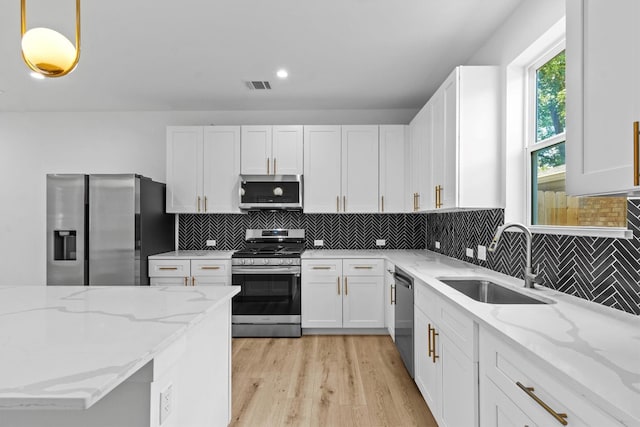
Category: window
[549,204]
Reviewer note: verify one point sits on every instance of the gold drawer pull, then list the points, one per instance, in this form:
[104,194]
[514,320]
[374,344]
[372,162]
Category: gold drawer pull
[268,166]
[316,267]
[168,268]
[530,392]
[338,285]
[382,204]
[363,267]
[636,153]
[346,286]
[208,267]
[185,281]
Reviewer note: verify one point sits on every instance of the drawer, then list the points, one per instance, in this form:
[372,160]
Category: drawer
[322,267]
[459,327]
[210,267]
[169,268]
[506,367]
[362,267]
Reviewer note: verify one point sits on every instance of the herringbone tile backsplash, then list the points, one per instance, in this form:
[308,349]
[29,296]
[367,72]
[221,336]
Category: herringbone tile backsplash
[339,231]
[603,270]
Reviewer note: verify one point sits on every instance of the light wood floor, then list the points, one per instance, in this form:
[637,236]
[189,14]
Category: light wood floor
[324,381]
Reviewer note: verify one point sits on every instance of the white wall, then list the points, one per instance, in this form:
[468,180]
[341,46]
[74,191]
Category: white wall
[35,144]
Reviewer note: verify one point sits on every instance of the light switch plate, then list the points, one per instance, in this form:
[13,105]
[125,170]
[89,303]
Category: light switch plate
[470,252]
[381,242]
[318,243]
[482,252]
[211,243]
[166,402]
[437,245]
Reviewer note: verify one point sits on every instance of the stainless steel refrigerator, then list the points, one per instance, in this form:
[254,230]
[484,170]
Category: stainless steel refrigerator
[102,228]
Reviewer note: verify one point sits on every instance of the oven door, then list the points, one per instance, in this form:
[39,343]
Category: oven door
[269,301]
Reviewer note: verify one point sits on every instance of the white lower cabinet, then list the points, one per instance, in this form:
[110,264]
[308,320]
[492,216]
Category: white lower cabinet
[516,391]
[389,298]
[342,293]
[185,272]
[446,368]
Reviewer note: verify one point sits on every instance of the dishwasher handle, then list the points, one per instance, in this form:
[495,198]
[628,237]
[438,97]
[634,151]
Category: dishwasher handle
[403,281]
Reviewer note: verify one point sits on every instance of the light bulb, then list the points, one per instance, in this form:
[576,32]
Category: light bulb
[48,51]
[282,73]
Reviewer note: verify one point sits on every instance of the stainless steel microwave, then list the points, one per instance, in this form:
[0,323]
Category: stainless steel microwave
[270,192]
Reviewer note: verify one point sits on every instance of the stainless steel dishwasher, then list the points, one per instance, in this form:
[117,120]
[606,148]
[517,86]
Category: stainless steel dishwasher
[404,318]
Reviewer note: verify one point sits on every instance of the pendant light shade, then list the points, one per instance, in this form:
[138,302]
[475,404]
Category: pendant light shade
[47,52]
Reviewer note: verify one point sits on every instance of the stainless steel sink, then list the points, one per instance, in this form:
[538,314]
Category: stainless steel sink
[486,291]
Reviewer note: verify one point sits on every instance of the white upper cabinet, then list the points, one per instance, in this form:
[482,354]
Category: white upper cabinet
[272,150]
[221,168]
[465,132]
[393,173]
[360,168]
[203,164]
[287,150]
[603,91]
[421,137]
[322,166]
[184,168]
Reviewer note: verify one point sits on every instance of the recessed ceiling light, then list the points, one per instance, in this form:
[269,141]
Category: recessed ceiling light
[282,73]
[37,76]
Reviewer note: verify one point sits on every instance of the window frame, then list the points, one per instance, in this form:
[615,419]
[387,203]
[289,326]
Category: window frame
[530,146]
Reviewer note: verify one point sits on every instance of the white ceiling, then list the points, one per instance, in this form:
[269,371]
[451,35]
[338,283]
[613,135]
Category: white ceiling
[196,54]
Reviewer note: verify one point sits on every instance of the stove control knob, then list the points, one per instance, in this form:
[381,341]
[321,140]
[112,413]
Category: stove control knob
[290,262]
[265,261]
[281,262]
[242,261]
[251,261]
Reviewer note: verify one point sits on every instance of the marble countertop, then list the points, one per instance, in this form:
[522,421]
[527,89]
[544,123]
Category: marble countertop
[193,254]
[66,347]
[595,349]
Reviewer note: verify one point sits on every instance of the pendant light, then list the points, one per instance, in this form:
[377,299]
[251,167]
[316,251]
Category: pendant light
[47,52]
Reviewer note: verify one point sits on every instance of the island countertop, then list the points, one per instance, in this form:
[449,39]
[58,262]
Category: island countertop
[66,347]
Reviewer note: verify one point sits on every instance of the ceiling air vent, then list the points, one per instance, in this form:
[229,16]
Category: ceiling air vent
[259,85]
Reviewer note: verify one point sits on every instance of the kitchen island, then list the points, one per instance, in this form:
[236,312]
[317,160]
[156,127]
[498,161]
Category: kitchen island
[115,356]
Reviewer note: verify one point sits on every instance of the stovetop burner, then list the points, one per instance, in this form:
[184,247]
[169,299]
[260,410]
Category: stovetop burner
[278,243]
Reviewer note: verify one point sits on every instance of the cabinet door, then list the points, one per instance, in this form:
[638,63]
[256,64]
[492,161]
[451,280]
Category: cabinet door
[363,302]
[221,169]
[602,94]
[449,160]
[498,410]
[210,281]
[426,371]
[169,281]
[256,150]
[392,168]
[459,385]
[360,168]
[184,168]
[438,146]
[389,296]
[322,169]
[421,137]
[287,150]
[321,293]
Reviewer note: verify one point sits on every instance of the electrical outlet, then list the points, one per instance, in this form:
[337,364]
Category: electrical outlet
[470,252]
[166,403]
[437,245]
[318,243]
[211,243]
[482,252]
[381,242]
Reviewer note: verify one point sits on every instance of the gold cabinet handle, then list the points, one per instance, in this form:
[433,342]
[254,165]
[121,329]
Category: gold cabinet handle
[268,160]
[338,285]
[436,195]
[415,206]
[636,153]
[186,281]
[346,286]
[337,203]
[198,203]
[210,267]
[344,203]
[363,267]
[391,292]
[429,339]
[434,356]
[274,166]
[317,267]
[168,268]
[417,201]
[205,203]
[382,204]
[193,281]
[560,417]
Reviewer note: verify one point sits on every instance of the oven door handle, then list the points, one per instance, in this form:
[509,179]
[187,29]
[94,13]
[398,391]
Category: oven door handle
[267,269]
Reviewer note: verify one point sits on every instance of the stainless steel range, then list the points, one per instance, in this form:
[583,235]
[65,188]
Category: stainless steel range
[268,272]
